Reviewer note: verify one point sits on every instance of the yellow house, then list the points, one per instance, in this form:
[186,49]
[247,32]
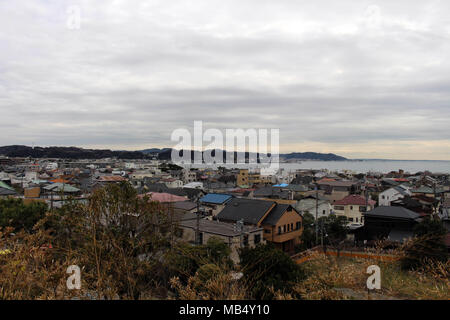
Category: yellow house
[282,224]
[246,178]
[353,207]
[283,227]
[242,178]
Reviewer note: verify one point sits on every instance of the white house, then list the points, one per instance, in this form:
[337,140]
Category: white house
[31,175]
[194,185]
[386,197]
[172,183]
[130,165]
[189,176]
[324,207]
[51,166]
[284,176]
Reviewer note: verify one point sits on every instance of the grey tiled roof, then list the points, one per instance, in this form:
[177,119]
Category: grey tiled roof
[276,213]
[393,212]
[251,211]
[7,192]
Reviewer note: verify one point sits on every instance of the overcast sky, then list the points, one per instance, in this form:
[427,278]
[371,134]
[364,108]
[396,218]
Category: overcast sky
[363,79]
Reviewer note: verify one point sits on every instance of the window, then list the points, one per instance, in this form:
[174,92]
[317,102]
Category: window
[356,219]
[298,225]
[292,226]
[284,228]
[288,228]
[279,230]
[350,219]
[351,207]
[245,241]
[338,208]
[257,238]
[267,231]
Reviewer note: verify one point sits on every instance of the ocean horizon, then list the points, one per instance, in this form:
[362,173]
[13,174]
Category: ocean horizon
[376,165]
[357,166]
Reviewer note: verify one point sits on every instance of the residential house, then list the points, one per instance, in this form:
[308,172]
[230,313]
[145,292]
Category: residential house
[6,190]
[189,176]
[324,208]
[352,207]
[422,205]
[218,187]
[102,180]
[283,225]
[428,191]
[271,192]
[242,178]
[388,222]
[194,185]
[213,203]
[185,207]
[338,190]
[229,233]
[245,178]
[172,183]
[192,194]
[163,197]
[60,190]
[386,197]
[297,190]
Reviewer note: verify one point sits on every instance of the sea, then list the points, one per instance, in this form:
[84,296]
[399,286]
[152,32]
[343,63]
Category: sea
[357,166]
[365,166]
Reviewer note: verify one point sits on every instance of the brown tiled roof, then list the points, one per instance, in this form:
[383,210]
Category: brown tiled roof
[355,200]
[338,183]
[111,179]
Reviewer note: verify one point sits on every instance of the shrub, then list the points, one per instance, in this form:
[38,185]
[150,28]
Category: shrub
[267,269]
[427,245]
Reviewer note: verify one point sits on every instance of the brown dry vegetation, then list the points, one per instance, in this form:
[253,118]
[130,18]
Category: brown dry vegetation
[134,256]
[327,276]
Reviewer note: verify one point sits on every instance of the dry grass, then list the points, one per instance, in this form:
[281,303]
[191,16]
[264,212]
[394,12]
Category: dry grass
[326,274]
[220,287]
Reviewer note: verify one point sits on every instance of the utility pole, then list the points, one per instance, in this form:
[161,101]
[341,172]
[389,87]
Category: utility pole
[239,227]
[321,231]
[317,215]
[435,200]
[366,194]
[197,231]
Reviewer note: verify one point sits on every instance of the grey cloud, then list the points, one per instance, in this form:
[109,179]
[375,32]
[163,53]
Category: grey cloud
[136,70]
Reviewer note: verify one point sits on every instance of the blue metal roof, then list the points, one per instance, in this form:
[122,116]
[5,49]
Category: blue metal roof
[215,198]
[282,185]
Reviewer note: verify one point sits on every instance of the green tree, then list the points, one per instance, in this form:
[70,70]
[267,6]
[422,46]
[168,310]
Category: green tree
[15,213]
[267,269]
[334,231]
[335,227]
[308,235]
[186,259]
[118,238]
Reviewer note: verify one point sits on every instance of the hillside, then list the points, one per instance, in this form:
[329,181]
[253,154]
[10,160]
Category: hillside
[162,154]
[312,156]
[165,154]
[67,153]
